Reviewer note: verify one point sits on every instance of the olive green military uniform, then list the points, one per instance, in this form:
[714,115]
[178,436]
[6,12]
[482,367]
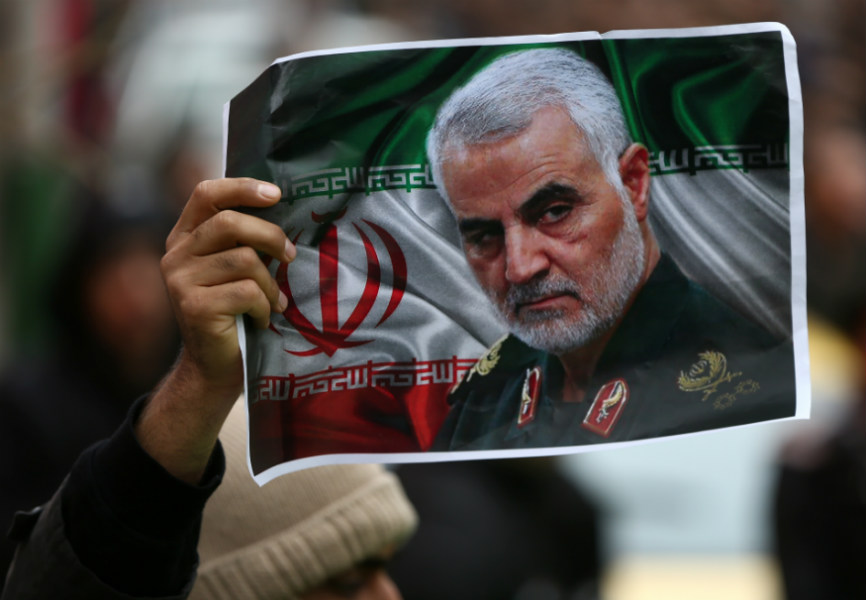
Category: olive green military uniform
[680,361]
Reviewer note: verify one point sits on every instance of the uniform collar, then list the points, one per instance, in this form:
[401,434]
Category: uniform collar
[647,325]
[640,338]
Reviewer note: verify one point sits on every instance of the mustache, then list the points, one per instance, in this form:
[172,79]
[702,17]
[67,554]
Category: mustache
[533,291]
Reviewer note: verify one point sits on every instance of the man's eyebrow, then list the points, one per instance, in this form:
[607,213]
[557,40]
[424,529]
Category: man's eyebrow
[537,202]
[542,196]
[477,223]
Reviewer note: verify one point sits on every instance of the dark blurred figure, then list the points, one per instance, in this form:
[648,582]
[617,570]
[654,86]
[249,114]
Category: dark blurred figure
[832,56]
[820,501]
[498,530]
[820,506]
[835,171]
[113,336]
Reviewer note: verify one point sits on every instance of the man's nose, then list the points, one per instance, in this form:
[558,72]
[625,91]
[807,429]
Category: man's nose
[524,254]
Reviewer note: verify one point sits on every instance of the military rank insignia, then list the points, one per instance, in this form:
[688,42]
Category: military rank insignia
[484,365]
[711,375]
[529,397]
[607,407]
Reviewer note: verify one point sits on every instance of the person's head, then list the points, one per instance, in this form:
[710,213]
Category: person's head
[319,534]
[108,302]
[550,194]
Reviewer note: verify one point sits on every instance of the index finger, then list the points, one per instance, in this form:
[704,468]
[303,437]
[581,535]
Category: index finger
[210,197]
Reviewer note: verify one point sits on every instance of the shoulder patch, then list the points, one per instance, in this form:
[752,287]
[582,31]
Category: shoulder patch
[484,365]
[487,362]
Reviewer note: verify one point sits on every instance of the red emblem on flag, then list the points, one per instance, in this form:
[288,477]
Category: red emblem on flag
[607,407]
[529,397]
[334,335]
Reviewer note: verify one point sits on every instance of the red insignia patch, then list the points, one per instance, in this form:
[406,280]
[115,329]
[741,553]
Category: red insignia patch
[529,397]
[607,407]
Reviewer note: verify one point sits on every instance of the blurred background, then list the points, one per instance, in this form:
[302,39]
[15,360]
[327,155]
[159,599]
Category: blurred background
[111,111]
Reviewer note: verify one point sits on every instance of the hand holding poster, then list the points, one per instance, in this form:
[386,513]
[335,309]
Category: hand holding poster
[526,245]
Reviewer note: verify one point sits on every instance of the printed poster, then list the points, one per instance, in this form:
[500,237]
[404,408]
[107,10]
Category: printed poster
[526,245]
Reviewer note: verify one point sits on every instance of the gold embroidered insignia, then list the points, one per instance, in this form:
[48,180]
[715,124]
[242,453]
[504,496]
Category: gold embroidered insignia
[711,372]
[484,365]
[724,401]
[487,362]
[748,386]
[707,374]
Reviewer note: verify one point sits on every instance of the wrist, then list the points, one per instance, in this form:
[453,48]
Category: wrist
[181,422]
[220,386]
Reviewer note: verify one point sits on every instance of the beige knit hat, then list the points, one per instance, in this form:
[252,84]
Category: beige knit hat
[290,536]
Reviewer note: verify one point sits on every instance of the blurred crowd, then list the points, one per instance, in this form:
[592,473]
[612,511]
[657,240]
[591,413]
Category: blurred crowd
[110,112]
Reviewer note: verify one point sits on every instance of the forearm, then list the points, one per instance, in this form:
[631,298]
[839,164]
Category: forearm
[180,424]
[213,272]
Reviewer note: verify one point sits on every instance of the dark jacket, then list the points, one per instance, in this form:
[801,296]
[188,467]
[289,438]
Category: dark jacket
[680,361]
[119,527]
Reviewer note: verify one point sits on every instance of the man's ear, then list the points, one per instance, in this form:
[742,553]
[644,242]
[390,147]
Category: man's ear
[635,174]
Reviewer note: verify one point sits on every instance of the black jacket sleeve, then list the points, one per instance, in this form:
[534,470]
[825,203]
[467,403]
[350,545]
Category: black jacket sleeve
[120,526]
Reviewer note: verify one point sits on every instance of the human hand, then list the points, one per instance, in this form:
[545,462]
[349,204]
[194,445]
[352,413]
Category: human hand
[213,273]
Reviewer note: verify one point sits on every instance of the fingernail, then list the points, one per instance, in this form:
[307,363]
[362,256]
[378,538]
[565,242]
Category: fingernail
[291,252]
[284,301]
[269,191]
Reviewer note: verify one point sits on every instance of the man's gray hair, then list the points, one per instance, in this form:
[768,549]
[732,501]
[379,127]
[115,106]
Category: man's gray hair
[500,101]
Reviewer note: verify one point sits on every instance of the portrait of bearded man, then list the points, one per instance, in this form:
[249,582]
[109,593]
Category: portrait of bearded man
[608,340]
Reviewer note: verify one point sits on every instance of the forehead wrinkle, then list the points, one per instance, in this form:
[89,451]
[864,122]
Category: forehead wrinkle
[486,158]
[551,150]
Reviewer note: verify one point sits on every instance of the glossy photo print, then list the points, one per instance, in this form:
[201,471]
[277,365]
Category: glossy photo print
[526,246]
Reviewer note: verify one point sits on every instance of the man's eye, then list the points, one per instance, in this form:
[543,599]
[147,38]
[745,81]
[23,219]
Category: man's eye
[482,243]
[555,213]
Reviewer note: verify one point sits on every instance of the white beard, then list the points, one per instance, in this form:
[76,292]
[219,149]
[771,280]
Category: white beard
[603,297]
